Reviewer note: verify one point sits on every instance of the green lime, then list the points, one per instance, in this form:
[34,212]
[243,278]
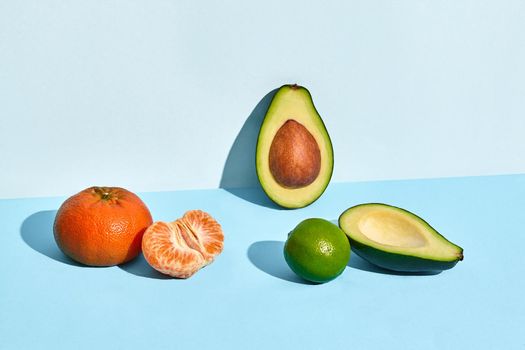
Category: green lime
[317,250]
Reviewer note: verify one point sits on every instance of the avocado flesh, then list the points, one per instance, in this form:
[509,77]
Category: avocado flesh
[396,239]
[292,102]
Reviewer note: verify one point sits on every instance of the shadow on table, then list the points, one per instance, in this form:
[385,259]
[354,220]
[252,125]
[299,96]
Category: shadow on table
[254,195]
[140,267]
[37,232]
[239,169]
[356,262]
[268,257]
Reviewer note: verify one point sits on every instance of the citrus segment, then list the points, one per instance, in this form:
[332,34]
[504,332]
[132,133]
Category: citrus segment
[207,232]
[182,247]
[166,249]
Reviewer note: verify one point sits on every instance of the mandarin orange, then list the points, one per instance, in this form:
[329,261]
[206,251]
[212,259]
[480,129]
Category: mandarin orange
[101,226]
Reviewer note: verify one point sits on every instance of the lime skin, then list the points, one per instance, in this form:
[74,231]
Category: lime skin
[317,250]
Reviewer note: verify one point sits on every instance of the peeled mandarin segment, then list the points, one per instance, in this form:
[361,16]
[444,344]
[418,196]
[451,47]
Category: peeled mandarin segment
[207,230]
[166,251]
[184,246]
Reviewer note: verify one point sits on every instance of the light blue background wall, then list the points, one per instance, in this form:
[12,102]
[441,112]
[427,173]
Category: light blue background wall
[151,95]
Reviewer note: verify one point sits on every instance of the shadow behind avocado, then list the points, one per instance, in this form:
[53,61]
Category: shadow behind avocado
[239,176]
[357,262]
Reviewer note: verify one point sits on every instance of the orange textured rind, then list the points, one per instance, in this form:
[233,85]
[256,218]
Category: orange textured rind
[101,226]
[184,246]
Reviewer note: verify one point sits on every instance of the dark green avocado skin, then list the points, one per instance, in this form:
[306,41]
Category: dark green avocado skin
[399,262]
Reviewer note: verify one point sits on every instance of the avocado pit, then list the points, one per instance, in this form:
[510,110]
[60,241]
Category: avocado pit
[294,158]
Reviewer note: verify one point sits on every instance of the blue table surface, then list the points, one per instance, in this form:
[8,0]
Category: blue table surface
[249,298]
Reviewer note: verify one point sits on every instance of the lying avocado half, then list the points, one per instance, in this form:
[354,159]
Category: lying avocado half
[294,156]
[396,239]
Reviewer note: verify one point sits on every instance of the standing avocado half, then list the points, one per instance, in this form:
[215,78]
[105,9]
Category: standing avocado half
[396,239]
[294,157]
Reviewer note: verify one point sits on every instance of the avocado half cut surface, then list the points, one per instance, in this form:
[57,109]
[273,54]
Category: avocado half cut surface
[294,156]
[396,239]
